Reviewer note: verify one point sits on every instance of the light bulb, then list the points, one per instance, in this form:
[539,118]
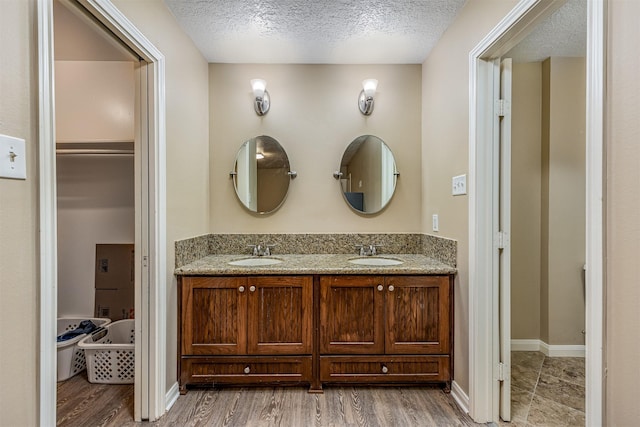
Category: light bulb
[259,86]
[370,86]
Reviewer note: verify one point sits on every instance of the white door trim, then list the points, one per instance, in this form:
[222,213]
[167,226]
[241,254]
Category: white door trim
[504,229]
[48,264]
[595,153]
[483,301]
[154,314]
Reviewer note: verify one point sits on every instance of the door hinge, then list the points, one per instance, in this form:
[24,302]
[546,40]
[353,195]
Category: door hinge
[502,239]
[501,369]
[502,107]
[145,261]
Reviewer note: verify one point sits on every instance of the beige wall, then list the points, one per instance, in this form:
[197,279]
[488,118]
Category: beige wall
[271,187]
[526,116]
[548,201]
[187,136]
[95,101]
[18,218]
[314,115]
[364,178]
[622,212]
[566,194]
[77,39]
[95,205]
[445,146]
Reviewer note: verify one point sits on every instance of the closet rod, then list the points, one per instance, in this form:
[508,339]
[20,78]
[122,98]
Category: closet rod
[93,152]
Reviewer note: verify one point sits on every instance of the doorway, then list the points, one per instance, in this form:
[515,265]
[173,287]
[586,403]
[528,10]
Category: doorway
[150,222]
[483,218]
[96,202]
[547,232]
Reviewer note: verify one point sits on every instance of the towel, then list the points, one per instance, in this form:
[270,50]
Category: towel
[85,327]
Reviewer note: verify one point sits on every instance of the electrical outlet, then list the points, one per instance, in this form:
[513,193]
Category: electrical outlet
[434,222]
[459,185]
[13,162]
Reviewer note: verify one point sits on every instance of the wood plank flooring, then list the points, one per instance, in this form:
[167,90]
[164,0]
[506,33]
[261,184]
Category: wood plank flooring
[83,404]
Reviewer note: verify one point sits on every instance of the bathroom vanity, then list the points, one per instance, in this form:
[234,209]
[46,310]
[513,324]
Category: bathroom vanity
[315,319]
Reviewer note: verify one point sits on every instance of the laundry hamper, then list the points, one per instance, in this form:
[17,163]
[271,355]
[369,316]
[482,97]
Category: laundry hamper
[110,353]
[71,360]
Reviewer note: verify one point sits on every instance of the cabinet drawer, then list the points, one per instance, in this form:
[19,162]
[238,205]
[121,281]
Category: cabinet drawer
[246,370]
[384,369]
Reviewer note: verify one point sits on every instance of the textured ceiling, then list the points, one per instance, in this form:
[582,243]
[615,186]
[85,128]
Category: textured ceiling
[564,33]
[315,31]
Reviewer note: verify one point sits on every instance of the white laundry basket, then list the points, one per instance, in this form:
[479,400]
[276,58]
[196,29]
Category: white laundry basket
[110,353]
[71,360]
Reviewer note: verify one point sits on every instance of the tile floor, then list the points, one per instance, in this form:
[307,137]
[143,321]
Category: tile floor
[546,391]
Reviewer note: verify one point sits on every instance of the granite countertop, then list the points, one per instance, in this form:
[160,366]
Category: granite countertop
[218,265]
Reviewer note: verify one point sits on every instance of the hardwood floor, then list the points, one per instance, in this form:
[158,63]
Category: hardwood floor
[83,404]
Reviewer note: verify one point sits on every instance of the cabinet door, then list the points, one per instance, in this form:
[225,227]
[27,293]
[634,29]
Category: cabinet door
[214,315]
[351,315]
[418,315]
[280,315]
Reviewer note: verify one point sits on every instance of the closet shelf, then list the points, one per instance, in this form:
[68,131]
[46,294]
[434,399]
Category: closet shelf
[120,148]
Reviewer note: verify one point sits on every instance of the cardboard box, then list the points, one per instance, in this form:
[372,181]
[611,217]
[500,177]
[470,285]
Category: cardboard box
[116,304]
[114,281]
[115,266]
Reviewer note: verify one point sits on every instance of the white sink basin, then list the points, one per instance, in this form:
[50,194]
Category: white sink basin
[255,262]
[375,261]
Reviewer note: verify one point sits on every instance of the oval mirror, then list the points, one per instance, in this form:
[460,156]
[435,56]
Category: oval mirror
[261,174]
[367,174]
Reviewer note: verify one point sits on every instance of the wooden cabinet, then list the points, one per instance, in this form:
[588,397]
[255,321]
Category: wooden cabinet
[315,329]
[351,315]
[214,315]
[394,329]
[225,317]
[417,315]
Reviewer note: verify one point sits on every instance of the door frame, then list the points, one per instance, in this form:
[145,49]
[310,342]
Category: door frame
[483,282]
[502,223]
[150,326]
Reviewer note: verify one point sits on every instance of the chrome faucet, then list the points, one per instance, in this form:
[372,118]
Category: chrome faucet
[260,250]
[370,250]
[267,250]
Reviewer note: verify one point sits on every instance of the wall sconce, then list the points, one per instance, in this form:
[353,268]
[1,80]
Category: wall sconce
[365,101]
[262,101]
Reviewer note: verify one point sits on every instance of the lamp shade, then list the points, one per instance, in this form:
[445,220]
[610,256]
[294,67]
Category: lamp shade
[370,86]
[258,86]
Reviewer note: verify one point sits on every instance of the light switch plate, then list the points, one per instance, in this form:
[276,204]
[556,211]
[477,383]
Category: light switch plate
[434,223]
[459,185]
[13,162]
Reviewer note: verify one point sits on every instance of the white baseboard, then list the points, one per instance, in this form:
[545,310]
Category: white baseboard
[547,349]
[460,397]
[172,395]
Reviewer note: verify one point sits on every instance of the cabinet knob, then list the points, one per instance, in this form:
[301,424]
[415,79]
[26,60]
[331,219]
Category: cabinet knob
[252,288]
[247,369]
[380,287]
[384,369]
[391,288]
[241,289]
